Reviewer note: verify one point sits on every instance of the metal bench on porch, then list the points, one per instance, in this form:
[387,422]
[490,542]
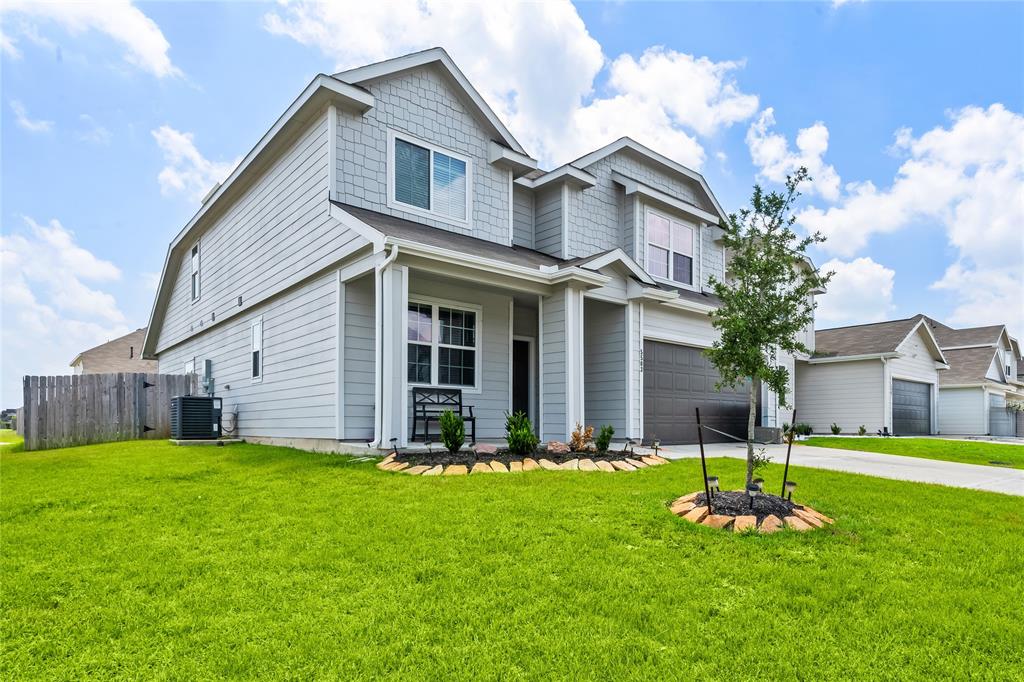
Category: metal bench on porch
[429,403]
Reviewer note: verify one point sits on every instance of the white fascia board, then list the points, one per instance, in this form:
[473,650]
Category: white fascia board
[617,255]
[567,173]
[625,142]
[349,221]
[149,341]
[635,187]
[931,338]
[692,306]
[977,345]
[575,274]
[436,55]
[853,358]
[502,156]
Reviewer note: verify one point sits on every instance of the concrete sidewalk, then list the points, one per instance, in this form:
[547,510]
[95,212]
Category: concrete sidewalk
[991,478]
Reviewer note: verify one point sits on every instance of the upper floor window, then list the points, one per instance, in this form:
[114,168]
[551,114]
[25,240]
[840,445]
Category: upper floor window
[431,180]
[670,248]
[195,272]
[443,345]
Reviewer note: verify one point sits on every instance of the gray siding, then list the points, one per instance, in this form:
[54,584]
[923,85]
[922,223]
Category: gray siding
[553,368]
[847,393]
[360,358]
[962,411]
[296,397]
[548,221]
[273,236]
[522,216]
[422,104]
[604,374]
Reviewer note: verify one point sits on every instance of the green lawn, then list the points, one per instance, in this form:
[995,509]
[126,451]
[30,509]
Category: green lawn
[968,452]
[10,441]
[148,561]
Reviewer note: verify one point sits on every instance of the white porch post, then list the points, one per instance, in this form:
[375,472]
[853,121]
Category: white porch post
[394,291]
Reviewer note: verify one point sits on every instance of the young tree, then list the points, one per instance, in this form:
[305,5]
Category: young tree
[767,301]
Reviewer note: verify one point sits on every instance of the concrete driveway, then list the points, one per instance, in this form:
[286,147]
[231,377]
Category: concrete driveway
[991,478]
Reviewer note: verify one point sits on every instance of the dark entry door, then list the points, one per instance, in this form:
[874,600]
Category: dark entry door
[911,408]
[521,377]
[678,379]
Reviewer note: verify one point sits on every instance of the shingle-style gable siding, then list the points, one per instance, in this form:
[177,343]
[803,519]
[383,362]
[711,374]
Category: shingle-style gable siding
[275,234]
[423,104]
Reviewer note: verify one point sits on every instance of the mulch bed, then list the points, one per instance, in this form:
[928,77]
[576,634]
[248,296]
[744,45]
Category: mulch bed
[737,503]
[732,511]
[469,458]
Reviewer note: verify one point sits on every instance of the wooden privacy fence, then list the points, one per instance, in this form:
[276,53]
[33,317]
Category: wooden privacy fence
[63,411]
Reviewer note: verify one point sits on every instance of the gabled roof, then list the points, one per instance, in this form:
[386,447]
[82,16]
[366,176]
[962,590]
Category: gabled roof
[605,258]
[114,355]
[438,57]
[972,336]
[967,366]
[873,339]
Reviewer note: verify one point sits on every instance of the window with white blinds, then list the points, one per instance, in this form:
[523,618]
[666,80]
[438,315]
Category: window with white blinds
[428,180]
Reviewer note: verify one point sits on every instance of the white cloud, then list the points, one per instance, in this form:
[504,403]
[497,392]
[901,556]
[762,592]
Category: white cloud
[144,43]
[8,46]
[93,132]
[967,179]
[860,292]
[24,122]
[770,152]
[51,308]
[537,65]
[187,171]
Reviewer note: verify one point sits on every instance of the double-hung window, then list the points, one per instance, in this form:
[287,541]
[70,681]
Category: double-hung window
[670,248]
[195,272]
[256,349]
[443,345]
[430,180]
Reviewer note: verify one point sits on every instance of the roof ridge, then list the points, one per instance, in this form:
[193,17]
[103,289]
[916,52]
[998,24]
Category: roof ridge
[869,324]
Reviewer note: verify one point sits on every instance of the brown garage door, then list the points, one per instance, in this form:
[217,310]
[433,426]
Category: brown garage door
[678,379]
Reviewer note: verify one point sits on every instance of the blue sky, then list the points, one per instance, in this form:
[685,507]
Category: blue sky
[909,114]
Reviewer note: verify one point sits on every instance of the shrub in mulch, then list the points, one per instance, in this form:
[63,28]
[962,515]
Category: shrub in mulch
[469,458]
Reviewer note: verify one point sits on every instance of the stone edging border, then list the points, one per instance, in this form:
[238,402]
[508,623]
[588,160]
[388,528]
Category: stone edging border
[803,519]
[526,464]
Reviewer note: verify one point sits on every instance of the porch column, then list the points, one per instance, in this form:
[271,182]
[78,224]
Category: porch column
[393,299]
[561,363]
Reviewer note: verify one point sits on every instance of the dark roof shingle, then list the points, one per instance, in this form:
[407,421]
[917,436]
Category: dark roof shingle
[967,366]
[973,336]
[863,339]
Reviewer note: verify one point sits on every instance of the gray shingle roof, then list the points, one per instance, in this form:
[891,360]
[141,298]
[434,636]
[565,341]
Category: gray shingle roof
[863,339]
[973,336]
[966,366]
[434,236]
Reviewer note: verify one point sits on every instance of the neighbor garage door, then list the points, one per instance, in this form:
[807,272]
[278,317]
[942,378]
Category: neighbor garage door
[911,408]
[678,379]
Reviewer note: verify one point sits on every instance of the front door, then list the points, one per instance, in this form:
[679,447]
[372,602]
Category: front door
[521,377]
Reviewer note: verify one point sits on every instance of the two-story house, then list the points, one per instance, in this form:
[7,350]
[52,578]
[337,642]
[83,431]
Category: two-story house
[389,232]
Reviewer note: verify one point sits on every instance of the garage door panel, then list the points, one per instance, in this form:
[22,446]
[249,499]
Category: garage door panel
[911,408]
[677,380]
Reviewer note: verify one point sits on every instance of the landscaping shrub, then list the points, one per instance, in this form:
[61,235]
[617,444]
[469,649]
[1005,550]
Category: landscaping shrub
[836,430]
[604,438]
[803,429]
[761,460]
[581,437]
[519,434]
[861,430]
[453,431]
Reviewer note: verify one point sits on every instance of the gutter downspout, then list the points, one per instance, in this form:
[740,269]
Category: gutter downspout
[886,383]
[378,280]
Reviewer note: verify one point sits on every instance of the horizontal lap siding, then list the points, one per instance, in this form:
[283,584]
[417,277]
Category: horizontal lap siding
[548,221]
[962,411]
[916,364]
[296,398]
[604,367]
[553,367]
[847,393]
[522,217]
[679,326]
[360,358]
[276,234]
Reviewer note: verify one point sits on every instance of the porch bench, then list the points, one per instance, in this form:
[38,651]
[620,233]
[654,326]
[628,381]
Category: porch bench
[429,403]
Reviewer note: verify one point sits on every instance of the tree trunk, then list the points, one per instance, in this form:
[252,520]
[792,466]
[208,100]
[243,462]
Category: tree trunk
[751,418]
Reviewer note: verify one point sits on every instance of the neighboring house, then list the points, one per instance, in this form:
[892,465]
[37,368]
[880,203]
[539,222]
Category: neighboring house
[123,354]
[983,376]
[389,232]
[883,376]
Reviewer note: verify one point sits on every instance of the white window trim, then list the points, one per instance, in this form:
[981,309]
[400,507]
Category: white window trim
[393,203]
[435,341]
[256,321]
[198,271]
[695,276]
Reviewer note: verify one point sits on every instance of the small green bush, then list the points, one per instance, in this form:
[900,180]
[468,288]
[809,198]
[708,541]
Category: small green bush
[453,431]
[519,434]
[803,429]
[836,430]
[861,430]
[604,438]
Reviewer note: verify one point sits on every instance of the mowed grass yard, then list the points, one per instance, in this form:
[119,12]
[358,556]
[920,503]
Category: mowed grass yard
[968,452]
[149,561]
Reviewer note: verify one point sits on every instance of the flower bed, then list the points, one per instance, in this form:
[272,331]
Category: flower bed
[736,511]
[488,459]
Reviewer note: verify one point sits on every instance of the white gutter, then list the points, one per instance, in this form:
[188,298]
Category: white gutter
[854,358]
[378,346]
